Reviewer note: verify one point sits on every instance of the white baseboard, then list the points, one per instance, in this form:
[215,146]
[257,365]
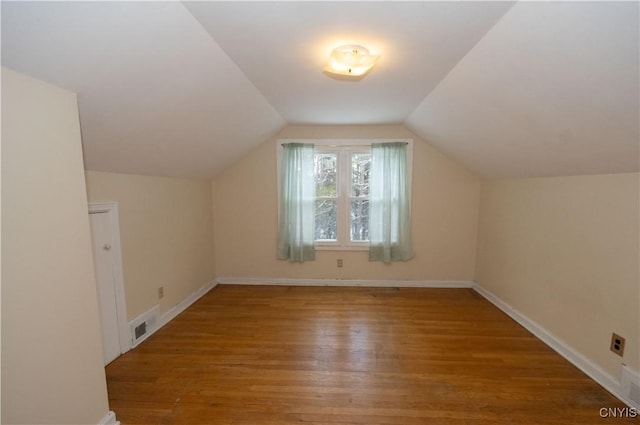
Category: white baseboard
[171,314]
[109,419]
[581,362]
[346,282]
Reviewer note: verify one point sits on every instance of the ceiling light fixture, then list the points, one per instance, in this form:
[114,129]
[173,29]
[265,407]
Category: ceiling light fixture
[351,60]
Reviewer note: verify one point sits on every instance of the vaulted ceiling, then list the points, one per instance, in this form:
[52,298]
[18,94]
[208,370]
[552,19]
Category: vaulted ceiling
[186,88]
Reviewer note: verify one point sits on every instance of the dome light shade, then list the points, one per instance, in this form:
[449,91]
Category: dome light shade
[351,60]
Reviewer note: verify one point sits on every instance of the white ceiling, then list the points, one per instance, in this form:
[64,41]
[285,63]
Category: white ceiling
[551,90]
[156,93]
[283,47]
[184,89]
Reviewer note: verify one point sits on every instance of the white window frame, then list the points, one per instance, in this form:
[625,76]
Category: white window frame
[344,196]
[344,148]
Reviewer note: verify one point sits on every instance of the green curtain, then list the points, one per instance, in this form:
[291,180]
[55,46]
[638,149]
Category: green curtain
[297,203]
[390,203]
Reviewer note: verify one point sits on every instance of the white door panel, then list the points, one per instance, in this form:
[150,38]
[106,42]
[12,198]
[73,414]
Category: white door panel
[104,265]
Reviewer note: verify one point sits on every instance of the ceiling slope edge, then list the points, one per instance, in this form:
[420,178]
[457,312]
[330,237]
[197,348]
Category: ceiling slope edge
[551,90]
[410,122]
[240,71]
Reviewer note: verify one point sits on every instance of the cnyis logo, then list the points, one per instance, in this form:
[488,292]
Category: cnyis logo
[619,412]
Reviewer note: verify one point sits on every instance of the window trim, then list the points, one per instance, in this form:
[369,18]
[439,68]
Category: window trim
[344,166]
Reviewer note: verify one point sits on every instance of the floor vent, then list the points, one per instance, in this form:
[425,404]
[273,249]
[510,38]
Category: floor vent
[631,386]
[144,325]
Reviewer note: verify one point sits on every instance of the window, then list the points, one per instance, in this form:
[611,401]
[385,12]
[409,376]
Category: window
[341,171]
[342,196]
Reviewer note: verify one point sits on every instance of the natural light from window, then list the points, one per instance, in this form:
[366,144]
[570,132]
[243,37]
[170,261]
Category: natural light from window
[342,189]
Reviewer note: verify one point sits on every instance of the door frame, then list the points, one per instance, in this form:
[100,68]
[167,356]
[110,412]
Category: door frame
[111,208]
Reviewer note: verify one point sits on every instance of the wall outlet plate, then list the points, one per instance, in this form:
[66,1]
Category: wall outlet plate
[617,344]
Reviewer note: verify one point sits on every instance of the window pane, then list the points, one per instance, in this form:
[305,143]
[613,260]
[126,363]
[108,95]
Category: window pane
[359,219]
[325,174]
[326,219]
[360,165]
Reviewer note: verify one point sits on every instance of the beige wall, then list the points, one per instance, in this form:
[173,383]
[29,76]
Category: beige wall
[564,252]
[166,233]
[445,206]
[52,370]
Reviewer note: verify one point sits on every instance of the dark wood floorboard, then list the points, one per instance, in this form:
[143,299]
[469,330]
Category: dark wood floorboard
[334,355]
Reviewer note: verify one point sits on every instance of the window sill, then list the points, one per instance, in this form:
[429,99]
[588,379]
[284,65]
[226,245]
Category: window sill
[341,248]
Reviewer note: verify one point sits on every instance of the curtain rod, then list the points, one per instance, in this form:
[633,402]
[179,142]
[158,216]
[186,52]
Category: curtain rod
[340,146]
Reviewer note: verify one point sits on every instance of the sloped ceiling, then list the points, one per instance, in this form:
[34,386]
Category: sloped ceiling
[551,90]
[184,89]
[156,94]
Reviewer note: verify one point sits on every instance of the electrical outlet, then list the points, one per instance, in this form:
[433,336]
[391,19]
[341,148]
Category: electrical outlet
[161,292]
[339,262]
[617,344]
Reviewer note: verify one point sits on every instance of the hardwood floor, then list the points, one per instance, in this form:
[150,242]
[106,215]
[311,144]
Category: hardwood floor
[335,355]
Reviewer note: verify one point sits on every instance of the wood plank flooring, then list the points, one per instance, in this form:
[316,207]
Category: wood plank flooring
[335,355]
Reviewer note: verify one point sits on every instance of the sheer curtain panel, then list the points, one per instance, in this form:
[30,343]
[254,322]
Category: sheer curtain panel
[297,203]
[390,203]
